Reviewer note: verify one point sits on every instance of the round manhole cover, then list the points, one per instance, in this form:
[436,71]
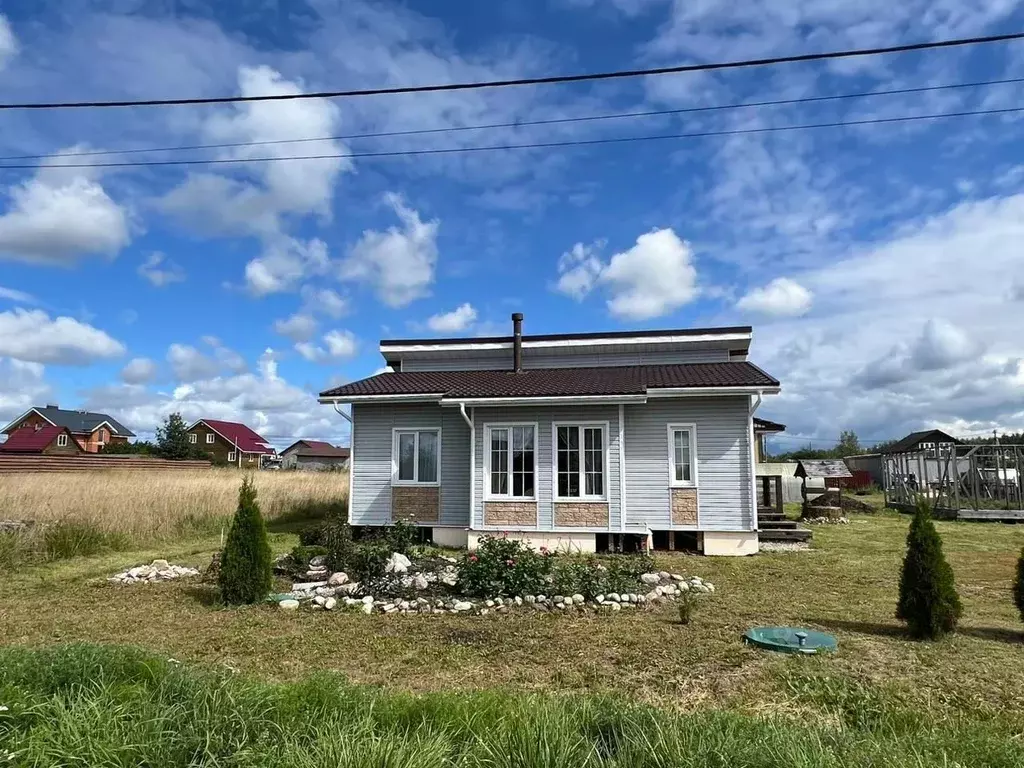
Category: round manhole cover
[790,639]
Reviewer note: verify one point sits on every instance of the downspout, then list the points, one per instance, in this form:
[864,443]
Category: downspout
[754,405]
[472,462]
[622,468]
[351,454]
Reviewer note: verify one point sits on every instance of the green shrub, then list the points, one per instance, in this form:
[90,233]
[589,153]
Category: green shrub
[586,576]
[624,571]
[928,600]
[1018,585]
[312,536]
[301,555]
[336,538]
[502,567]
[400,537]
[367,560]
[245,567]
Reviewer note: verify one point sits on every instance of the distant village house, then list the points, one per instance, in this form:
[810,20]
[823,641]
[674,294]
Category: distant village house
[314,455]
[228,442]
[91,431]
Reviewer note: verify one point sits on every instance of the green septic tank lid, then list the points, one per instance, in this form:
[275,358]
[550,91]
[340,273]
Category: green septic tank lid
[790,640]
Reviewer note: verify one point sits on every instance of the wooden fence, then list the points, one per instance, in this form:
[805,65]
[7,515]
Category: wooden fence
[90,462]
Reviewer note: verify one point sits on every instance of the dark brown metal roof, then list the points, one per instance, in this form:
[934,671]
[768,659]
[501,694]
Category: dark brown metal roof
[571,336]
[558,382]
[763,425]
[911,441]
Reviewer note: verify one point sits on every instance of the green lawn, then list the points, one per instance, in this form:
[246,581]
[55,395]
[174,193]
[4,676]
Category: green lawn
[845,584]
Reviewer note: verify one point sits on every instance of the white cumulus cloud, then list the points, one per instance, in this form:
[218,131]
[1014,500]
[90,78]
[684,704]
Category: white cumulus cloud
[33,336]
[336,345]
[782,297]
[8,42]
[284,263]
[399,263]
[459,319]
[298,327]
[161,271]
[60,215]
[579,269]
[653,278]
[139,370]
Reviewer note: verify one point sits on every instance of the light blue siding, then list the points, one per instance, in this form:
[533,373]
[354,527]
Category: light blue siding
[725,499]
[372,444]
[545,417]
[548,358]
[724,493]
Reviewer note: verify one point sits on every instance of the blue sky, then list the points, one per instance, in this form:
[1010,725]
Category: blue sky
[882,267]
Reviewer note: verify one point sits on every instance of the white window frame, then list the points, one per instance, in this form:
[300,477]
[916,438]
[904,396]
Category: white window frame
[210,437]
[488,496]
[605,428]
[231,455]
[62,440]
[395,432]
[673,483]
[193,438]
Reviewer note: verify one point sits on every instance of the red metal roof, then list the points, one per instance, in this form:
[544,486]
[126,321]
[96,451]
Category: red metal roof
[246,439]
[28,440]
[555,382]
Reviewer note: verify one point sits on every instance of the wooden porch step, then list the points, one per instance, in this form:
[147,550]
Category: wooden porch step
[776,525]
[788,534]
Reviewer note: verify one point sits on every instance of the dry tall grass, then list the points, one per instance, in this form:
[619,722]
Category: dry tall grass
[156,505]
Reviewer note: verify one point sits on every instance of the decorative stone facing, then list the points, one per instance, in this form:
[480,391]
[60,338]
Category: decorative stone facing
[416,504]
[684,506]
[582,515]
[517,513]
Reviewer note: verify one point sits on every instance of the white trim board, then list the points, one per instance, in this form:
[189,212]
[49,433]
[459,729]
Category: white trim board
[486,447]
[604,498]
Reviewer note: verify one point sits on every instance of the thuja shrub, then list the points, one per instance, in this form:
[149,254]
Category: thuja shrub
[928,600]
[1018,585]
[245,567]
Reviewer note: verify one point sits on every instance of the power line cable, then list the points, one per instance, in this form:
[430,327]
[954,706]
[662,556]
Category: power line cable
[549,80]
[535,145]
[526,123]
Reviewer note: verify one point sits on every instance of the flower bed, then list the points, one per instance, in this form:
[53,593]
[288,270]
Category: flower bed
[502,575]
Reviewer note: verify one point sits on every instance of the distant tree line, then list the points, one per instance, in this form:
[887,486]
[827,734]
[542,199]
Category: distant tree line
[171,443]
[847,445]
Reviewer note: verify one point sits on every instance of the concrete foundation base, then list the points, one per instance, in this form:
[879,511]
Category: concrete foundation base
[455,538]
[553,541]
[730,543]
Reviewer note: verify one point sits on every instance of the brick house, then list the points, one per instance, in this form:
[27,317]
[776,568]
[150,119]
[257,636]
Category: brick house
[91,431]
[229,442]
[45,441]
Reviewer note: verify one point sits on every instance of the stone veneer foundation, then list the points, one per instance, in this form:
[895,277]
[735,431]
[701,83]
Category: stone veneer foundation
[684,506]
[416,504]
[511,513]
[581,514]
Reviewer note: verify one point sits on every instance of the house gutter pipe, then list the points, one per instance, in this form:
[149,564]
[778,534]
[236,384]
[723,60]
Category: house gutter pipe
[465,416]
[341,413]
[755,403]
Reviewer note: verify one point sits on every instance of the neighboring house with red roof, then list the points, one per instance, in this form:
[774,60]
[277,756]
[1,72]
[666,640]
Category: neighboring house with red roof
[229,442]
[579,441]
[45,441]
[315,455]
[92,431]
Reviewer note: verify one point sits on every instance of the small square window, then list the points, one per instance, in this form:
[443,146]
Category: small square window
[231,456]
[210,438]
[62,441]
[193,438]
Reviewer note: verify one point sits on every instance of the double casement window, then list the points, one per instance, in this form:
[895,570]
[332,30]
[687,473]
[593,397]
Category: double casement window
[192,438]
[682,455]
[511,452]
[580,451]
[416,456]
[210,437]
[62,441]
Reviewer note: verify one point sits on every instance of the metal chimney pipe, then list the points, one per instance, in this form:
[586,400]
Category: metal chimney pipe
[517,341]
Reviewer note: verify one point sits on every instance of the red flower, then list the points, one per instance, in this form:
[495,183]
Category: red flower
[472,558]
[510,563]
[543,550]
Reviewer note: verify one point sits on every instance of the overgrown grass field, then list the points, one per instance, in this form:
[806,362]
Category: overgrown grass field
[496,686]
[95,706]
[86,513]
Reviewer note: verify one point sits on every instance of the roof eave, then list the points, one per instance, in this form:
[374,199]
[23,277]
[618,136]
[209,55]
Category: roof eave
[745,389]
